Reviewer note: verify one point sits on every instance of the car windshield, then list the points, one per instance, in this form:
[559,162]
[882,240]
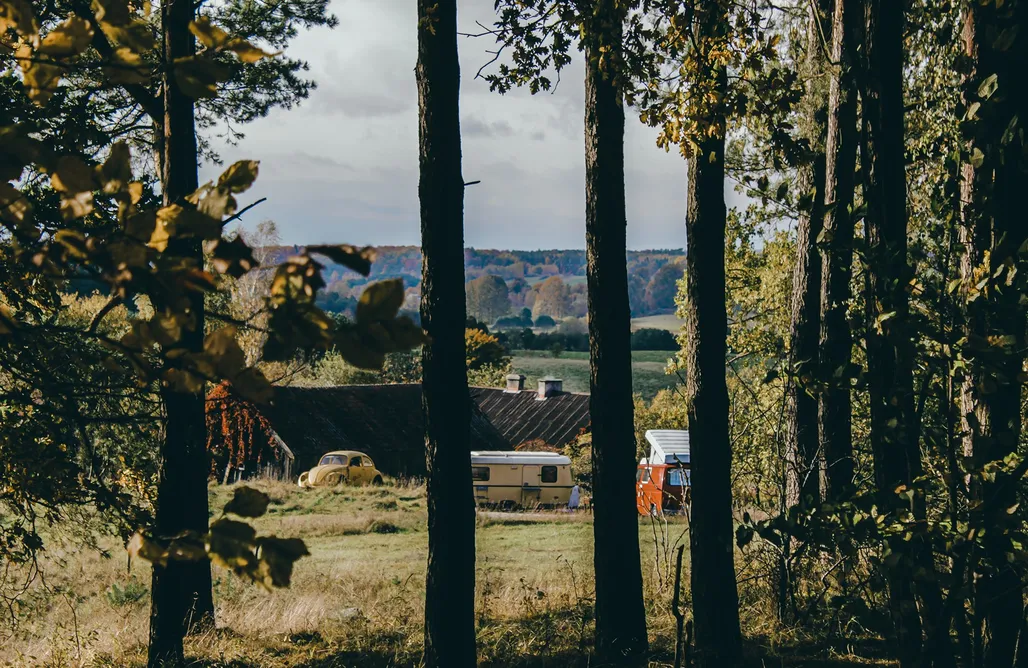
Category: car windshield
[678,477]
[332,460]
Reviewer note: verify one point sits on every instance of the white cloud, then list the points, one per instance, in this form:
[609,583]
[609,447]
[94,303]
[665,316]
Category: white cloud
[343,166]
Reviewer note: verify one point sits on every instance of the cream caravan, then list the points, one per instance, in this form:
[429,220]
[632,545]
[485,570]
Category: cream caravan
[521,479]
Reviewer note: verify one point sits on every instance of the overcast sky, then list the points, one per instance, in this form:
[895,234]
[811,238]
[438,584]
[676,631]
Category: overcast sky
[343,166]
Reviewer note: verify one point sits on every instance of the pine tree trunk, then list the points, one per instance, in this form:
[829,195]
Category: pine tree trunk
[450,583]
[836,342]
[993,228]
[712,547]
[620,613]
[894,437]
[803,443]
[181,594]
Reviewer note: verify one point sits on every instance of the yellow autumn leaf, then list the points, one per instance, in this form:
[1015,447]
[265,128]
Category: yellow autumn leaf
[247,52]
[209,34]
[69,38]
[18,15]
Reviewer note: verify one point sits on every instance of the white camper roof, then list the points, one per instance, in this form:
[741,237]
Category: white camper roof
[522,457]
[668,446]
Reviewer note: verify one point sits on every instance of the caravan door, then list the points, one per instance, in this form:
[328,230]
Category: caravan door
[531,487]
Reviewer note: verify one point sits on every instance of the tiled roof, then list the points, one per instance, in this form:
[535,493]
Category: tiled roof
[384,421]
[522,416]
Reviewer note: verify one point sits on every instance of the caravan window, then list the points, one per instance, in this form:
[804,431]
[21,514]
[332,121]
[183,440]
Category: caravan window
[479,472]
[678,477]
[548,474]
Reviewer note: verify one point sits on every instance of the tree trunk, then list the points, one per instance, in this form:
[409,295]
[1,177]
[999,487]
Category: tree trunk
[836,344]
[803,442]
[993,232]
[620,613]
[181,598]
[714,591]
[894,431]
[450,584]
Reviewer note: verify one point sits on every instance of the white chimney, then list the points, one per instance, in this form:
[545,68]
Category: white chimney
[549,387]
[515,382]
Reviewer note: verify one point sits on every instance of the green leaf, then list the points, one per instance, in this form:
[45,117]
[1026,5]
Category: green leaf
[988,86]
[248,502]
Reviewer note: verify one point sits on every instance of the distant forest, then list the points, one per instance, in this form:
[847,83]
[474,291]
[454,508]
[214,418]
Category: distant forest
[546,282]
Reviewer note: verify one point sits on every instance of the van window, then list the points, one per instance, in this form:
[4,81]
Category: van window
[479,472]
[678,477]
[355,461]
[643,475]
[548,474]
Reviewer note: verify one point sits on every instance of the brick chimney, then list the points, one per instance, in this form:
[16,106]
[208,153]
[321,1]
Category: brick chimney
[515,382]
[549,387]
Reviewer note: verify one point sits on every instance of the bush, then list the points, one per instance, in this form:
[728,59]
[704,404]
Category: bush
[653,339]
[119,596]
[573,327]
[545,322]
[483,350]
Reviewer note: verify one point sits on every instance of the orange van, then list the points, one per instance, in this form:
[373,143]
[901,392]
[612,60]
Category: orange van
[662,479]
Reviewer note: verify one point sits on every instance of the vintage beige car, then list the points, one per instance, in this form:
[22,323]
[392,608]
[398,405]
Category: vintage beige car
[342,467]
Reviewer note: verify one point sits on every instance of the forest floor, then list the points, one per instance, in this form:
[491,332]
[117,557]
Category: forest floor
[358,599]
[648,375]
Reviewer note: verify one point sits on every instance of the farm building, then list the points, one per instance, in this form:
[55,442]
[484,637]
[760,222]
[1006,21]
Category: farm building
[288,436]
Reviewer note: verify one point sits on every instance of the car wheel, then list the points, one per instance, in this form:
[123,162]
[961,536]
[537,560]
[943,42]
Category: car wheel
[377,481]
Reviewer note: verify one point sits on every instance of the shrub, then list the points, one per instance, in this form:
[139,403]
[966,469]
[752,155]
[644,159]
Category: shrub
[653,339]
[132,592]
[545,322]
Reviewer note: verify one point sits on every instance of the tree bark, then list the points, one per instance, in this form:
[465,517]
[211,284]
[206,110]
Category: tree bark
[993,231]
[803,444]
[836,340]
[181,595]
[714,589]
[620,613]
[894,429]
[450,583]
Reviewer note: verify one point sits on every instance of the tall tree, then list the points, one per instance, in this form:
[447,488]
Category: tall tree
[620,615]
[181,598]
[552,298]
[488,298]
[836,340]
[803,442]
[714,591]
[995,178]
[890,351]
[450,584]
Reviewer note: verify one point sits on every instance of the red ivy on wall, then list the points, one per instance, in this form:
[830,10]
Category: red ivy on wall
[237,433]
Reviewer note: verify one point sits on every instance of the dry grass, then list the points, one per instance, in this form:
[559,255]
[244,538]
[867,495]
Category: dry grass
[358,600]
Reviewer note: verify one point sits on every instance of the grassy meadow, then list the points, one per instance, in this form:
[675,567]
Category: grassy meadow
[358,600]
[669,321]
[648,375]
